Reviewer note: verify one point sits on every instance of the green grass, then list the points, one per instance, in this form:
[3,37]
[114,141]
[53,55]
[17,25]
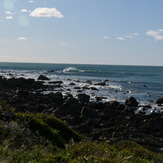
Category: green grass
[40,138]
[83,152]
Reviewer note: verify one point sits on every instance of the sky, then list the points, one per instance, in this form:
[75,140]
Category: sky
[116,32]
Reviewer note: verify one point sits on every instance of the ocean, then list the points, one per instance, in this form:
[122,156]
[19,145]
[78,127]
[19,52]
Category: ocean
[145,83]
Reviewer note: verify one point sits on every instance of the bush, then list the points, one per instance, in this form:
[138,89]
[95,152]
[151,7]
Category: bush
[49,127]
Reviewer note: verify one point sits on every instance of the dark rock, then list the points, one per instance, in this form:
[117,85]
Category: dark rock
[56,97]
[120,107]
[84,128]
[94,88]
[55,82]
[20,83]
[71,101]
[114,104]
[88,82]
[49,71]
[88,112]
[57,86]
[78,81]
[101,84]
[129,109]
[159,101]
[85,87]
[98,98]
[72,84]
[42,77]
[131,102]
[83,98]
[76,87]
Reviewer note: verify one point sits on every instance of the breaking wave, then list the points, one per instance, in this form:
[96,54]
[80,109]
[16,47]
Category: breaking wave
[71,69]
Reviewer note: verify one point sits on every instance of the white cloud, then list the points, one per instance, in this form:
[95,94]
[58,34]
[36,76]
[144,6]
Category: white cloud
[30,1]
[157,35]
[120,38]
[64,43]
[105,38]
[9,13]
[46,12]
[24,10]
[132,36]
[22,38]
[9,17]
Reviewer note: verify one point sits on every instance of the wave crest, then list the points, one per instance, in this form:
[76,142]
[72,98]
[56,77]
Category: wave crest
[71,69]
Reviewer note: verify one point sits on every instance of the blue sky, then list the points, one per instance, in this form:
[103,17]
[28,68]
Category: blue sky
[125,32]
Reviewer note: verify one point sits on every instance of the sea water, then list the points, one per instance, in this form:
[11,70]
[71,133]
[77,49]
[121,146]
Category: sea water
[145,83]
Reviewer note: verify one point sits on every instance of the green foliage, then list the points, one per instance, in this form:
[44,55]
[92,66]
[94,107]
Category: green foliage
[51,128]
[40,138]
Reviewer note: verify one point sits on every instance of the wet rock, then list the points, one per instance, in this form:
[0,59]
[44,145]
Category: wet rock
[72,84]
[101,84]
[131,101]
[70,101]
[159,101]
[56,82]
[94,88]
[88,112]
[83,98]
[85,87]
[76,87]
[114,104]
[88,82]
[14,83]
[56,97]
[98,99]
[84,128]
[120,107]
[42,77]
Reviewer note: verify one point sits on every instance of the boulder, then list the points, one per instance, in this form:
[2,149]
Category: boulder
[83,98]
[101,84]
[131,101]
[56,82]
[159,101]
[42,77]
[94,88]
[88,82]
[114,104]
[88,112]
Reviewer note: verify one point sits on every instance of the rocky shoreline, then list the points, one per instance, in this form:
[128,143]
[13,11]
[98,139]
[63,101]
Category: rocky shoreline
[101,121]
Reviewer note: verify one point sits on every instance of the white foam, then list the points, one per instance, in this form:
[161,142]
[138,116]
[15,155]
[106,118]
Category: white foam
[148,111]
[70,69]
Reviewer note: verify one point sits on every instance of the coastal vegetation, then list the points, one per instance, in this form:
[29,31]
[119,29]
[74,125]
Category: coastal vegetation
[39,137]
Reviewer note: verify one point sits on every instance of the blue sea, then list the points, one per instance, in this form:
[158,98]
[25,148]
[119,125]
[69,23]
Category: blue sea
[145,83]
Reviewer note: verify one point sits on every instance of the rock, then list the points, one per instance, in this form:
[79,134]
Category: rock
[56,97]
[114,104]
[72,84]
[120,107]
[42,77]
[88,82]
[94,88]
[85,87]
[98,99]
[55,82]
[83,98]
[131,102]
[70,100]
[76,87]
[159,101]
[20,83]
[101,84]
